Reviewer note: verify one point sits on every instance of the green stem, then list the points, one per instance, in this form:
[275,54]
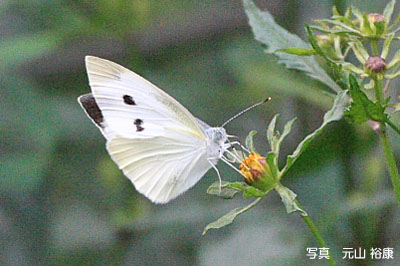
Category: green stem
[393,126]
[316,233]
[374,47]
[393,171]
[378,90]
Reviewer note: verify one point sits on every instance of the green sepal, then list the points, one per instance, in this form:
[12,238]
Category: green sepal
[381,27]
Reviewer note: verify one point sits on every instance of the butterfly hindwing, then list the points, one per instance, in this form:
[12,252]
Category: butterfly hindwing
[160,168]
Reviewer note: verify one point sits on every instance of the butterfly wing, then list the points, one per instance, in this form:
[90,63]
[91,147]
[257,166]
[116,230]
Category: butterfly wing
[160,168]
[134,107]
[156,142]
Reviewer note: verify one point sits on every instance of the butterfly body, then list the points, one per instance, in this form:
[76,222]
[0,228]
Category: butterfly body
[159,145]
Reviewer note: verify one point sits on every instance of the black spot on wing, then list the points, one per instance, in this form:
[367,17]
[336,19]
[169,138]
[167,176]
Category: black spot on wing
[138,123]
[128,100]
[88,102]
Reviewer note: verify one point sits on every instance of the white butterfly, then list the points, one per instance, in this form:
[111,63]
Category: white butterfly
[159,145]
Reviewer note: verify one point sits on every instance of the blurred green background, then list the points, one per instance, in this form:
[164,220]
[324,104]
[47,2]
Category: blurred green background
[64,202]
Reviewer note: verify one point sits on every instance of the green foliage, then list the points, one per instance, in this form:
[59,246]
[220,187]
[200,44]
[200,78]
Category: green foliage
[276,38]
[297,51]
[334,114]
[228,190]
[249,141]
[289,200]
[388,11]
[229,217]
[363,109]
[64,201]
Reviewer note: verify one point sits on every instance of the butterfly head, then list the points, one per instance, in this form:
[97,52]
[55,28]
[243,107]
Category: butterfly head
[217,135]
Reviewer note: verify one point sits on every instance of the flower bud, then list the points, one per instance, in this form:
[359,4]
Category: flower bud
[375,64]
[256,172]
[375,17]
[325,42]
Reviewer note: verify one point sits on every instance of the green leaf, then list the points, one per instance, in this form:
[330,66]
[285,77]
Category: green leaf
[333,31]
[335,12]
[363,109]
[297,51]
[286,131]
[315,45]
[350,67]
[273,136]
[386,45]
[341,25]
[229,190]
[357,13]
[334,114]
[269,33]
[275,139]
[336,68]
[396,107]
[344,20]
[252,192]
[249,141]
[395,60]
[226,191]
[289,200]
[272,161]
[230,217]
[359,51]
[348,12]
[388,11]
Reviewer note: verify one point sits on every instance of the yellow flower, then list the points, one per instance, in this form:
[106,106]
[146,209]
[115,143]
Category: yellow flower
[256,172]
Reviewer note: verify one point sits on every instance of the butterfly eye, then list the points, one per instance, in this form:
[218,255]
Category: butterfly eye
[218,136]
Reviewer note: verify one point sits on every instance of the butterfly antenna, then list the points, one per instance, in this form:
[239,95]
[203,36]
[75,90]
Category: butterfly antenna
[245,110]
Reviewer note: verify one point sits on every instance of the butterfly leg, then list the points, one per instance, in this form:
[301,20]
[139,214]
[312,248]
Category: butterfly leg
[225,160]
[235,156]
[231,145]
[240,145]
[237,142]
[216,170]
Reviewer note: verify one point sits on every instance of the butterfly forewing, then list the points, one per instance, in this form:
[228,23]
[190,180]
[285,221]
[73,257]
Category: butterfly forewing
[131,104]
